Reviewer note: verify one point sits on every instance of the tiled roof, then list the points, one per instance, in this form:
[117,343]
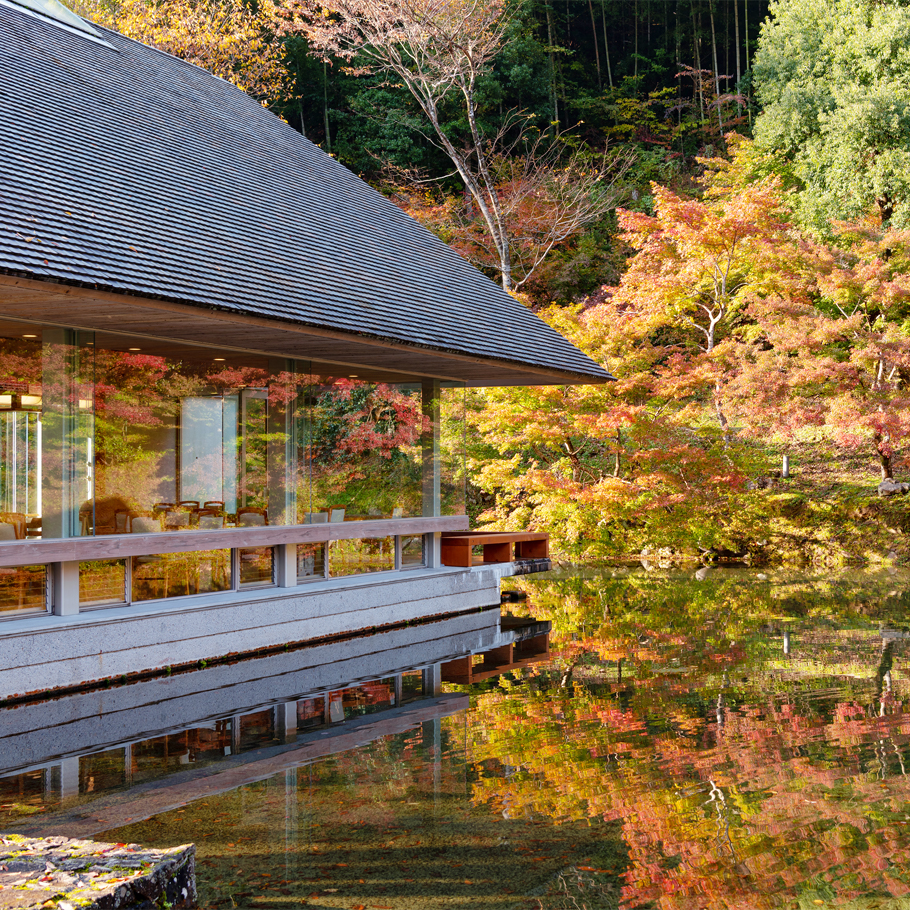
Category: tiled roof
[124,168]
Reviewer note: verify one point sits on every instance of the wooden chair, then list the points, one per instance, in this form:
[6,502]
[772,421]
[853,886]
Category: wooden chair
[122,521]
[106,509]
[17,521]
[216,505]
[174,519]
[210,519]
[249,517]
[336,513]
[190,504]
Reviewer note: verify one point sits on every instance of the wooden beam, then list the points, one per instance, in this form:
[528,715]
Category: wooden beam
[119,546]
[105,311]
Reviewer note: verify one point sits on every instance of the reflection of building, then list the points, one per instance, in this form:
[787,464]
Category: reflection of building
[231,375]
[176,740]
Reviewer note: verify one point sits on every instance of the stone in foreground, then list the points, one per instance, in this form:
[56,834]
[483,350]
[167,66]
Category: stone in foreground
[68,874]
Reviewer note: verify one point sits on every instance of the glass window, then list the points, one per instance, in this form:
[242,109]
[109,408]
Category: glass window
[179,574]
[310,561]
[411,685]
[102,582]
[46,428]
[452,464]
[310,713]
[412,553]
[23,590]
[102,771]
[22,795]
[255,566]
[355,557]
[369,697]
[362,449]
[257,729]
[201,438]
[98,429]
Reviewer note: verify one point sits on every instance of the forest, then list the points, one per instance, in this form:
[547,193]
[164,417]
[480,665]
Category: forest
[710,198]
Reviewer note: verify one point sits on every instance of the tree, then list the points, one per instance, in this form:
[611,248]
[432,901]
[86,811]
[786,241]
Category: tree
[440,49]
[832,355]
[226,37]
[699,261]
[833,81]
[542,203]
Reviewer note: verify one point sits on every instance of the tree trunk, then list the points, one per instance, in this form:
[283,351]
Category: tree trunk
[550,40]
[720,119]
[600,84]
[885,456]
[739,72]
[618,467]
[325,106]
[636,43]
[696,44]
[603,17]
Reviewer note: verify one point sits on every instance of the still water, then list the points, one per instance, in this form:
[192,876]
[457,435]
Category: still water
[735,739]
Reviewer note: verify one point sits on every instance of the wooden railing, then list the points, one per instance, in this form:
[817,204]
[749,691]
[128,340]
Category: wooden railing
[118,546]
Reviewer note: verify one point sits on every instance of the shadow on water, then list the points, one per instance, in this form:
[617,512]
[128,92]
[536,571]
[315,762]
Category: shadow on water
[728,738]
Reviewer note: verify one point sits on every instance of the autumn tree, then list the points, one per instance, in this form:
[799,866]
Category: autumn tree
[231,39]
[522,183]
[831,356]
[698,263]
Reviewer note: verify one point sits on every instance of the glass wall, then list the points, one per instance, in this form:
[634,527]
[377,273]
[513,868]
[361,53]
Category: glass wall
[103,433]
[363,456]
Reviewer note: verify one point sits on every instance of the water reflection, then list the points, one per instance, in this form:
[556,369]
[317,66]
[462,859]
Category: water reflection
[732,739]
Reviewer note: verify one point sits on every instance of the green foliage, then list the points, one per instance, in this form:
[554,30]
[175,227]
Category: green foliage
[833,79]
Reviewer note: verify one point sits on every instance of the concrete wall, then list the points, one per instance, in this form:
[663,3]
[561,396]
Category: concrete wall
[91,721]
[51,652]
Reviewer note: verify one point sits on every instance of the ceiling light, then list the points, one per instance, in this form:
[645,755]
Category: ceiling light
[352,375]
[29,336]
[135,349]
[219,358]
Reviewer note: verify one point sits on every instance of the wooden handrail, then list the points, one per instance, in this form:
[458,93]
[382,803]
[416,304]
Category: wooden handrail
[118,546]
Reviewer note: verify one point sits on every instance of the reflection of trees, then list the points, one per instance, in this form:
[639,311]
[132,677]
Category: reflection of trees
[742,778]
[365,446]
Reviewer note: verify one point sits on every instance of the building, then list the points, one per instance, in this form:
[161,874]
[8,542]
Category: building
[231,374]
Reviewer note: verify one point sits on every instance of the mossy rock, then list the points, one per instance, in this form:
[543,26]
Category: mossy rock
[788,505]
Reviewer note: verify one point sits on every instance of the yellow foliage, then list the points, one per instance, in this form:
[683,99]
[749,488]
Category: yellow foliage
[222,36]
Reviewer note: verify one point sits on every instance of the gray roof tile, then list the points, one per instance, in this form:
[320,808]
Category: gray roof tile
[128,169]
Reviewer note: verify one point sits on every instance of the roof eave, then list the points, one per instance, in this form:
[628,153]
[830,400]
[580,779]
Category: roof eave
[24,295]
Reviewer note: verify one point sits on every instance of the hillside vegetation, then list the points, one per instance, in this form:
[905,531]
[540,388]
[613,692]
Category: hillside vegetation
[711,199]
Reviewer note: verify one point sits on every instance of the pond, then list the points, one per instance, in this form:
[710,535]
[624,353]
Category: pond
[720,738]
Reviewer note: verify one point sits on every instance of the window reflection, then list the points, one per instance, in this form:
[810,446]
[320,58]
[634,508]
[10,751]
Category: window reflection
[356,557]
[102,433]
[180,574]
[23,589]
[364,449]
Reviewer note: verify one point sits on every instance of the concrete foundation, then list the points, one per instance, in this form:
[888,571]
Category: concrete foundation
[52,731]
[47,653]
